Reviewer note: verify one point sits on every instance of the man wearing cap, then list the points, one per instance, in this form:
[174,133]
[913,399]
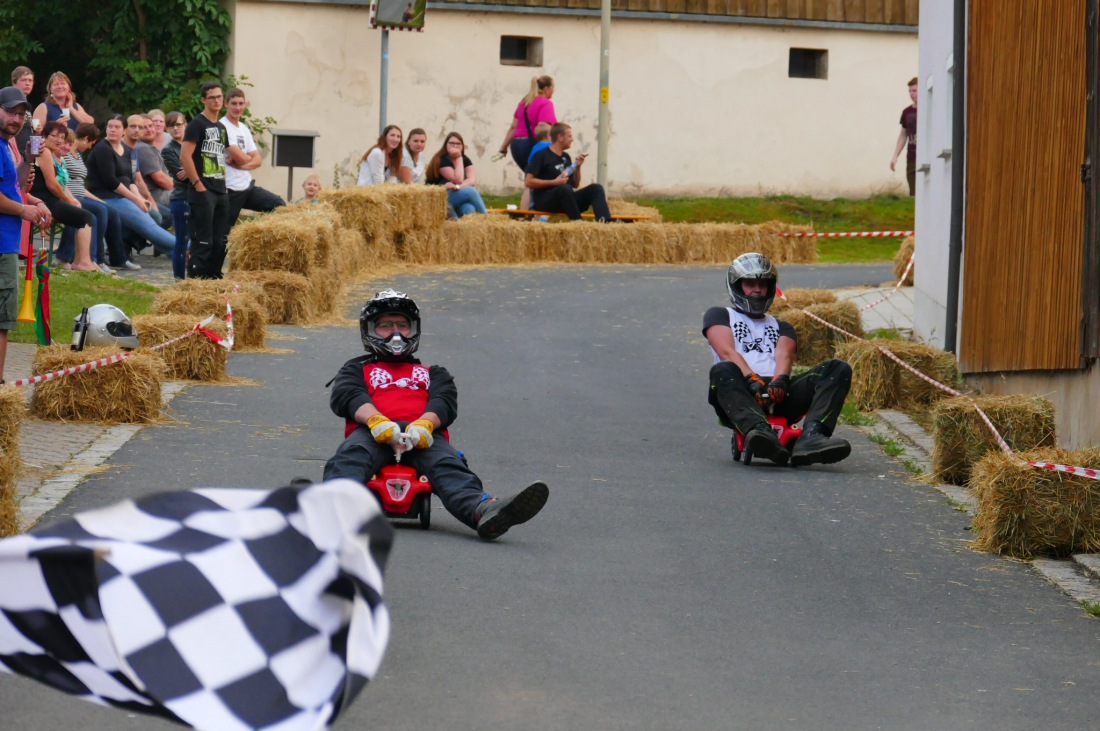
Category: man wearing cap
[15,207]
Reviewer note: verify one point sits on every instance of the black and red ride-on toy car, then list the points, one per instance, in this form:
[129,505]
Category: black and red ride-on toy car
[788,434]
[403,494]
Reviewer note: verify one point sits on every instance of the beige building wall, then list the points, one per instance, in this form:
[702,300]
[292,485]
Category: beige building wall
[696,108]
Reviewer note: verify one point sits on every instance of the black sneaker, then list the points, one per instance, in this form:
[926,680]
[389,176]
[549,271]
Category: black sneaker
[300,482]
[764,442]
[815,448]
[496,515]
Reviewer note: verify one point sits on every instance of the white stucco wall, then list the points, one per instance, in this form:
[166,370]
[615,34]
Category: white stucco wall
[933,217]
[696,108]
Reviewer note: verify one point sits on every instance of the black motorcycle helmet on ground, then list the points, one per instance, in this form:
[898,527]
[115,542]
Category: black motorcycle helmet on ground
[393,347]
[751,266]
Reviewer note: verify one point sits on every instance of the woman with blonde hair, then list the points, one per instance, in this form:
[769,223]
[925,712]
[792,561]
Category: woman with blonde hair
[454,171]
[534,108]
[382,163]
[50,186]
[61,104]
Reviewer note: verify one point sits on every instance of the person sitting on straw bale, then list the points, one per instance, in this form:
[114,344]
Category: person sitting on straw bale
[382,163]
[387,397]
[553,178]
[542,134]
[454,171]
[311,186]
[753,356]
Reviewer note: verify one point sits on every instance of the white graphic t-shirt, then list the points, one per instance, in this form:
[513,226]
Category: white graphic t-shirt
[239,136]
[755,339]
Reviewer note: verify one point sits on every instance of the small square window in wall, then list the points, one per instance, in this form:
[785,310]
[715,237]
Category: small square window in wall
[520,51]
[808,63]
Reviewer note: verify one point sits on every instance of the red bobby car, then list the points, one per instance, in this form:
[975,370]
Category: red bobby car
[403,493]
[788,435]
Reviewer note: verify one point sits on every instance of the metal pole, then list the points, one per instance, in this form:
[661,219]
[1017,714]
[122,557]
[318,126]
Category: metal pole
[605,93]
[383,86]
[958,181]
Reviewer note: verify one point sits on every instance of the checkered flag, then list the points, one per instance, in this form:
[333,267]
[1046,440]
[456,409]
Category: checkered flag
[222,609]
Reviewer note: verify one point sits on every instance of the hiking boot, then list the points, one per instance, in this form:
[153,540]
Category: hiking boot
[813,447]
[496,515]
[762,441]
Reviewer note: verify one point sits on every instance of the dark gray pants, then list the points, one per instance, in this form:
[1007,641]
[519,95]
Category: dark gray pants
[209,215]
[818,394]
[459,489]
[254,198]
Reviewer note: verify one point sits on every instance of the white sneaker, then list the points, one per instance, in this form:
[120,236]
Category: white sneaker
[106,269]
[131,265]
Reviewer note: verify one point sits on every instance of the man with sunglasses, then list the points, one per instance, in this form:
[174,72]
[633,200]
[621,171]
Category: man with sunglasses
[388,394]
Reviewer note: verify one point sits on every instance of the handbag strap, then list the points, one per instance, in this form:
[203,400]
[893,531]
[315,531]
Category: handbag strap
[530,132]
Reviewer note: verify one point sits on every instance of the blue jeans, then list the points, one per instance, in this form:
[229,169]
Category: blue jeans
[141,223]
[466,201]
[181,212]
[66,250]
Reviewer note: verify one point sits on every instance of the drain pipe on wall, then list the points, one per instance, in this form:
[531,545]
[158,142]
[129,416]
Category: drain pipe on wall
[958,179]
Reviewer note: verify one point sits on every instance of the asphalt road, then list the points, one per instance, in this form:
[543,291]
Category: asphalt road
[663,587]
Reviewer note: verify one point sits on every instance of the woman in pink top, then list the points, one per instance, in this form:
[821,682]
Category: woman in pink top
[534,108]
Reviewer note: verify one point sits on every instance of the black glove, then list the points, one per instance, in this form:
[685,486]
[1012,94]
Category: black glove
[758,388]
[778,387]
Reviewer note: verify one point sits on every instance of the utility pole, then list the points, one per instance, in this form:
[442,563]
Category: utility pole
[383,86]
[605,93]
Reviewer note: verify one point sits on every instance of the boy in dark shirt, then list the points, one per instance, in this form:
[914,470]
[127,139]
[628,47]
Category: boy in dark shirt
[553,179]
[203,159]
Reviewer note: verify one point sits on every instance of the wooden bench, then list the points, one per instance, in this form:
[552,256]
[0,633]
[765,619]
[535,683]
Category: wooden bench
[520,213]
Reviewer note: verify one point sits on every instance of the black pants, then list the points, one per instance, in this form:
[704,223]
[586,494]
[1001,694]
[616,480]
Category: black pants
[208,229]
[458,488]
[67,213]
[818,394]
[563,199]
[254,199]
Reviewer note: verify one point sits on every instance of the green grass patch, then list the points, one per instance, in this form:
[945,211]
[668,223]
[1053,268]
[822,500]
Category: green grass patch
[1092,608]
[878,213]
[887,333]
[73,291]
[892,447]
[852,416]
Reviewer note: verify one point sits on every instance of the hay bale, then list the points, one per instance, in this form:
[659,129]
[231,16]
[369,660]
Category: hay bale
[287,298]
[124,392]
[1025,511]
[620,207]
[498,240]
[300,241]
[196,358]
[880,383]
[379,211]
[249,316]
[802,297]
[13,408]
[961,438]
[901,260]
[818,342]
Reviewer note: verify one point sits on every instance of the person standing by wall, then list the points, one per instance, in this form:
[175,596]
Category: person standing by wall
[203,159]
[242,157]
[907,138]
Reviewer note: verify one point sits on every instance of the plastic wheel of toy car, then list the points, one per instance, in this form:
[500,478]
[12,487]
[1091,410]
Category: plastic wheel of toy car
[747,456]
[733,448]
[426,511]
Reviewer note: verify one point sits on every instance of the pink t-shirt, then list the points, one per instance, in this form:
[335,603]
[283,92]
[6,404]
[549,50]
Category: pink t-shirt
[540,110]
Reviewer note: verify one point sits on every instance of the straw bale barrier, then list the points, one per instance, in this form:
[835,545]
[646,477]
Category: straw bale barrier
[816,342]
[13,408]
[961,438]
[901,260]
[197,358]
[126,392]
[249,316]
[620,207]
[287,298]
[498,240]
[801,298]
[381,210]
[880,383]
[300,241]
[1025,512]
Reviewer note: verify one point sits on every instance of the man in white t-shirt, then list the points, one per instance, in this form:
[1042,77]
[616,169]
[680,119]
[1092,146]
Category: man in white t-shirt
[753,356]
[241,157]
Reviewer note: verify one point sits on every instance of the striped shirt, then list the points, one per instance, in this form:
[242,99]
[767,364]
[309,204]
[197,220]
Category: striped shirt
[77,172]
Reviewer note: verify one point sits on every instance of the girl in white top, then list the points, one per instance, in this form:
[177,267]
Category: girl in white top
[383,161]
[413,162]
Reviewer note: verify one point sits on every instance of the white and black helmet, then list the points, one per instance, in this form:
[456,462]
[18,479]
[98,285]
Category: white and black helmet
[393,346]
[751,266]
[104,324]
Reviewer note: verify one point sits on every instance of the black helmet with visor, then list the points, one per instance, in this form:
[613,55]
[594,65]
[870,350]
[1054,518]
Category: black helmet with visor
[393,345]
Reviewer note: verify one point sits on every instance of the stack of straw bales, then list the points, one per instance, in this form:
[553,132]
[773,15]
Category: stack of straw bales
[1024,511]
[126,392]
[289,299]
[498,240]
[620,207]
[12,410]
[901,260]
[386,214]
[201,298]
[880,383]
[799,298]
[961,437]
[195,358]
[818,342]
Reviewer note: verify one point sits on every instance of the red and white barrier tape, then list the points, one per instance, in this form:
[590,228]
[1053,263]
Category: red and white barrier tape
[200,327]
[846,234]
[1069,469]
[895,289]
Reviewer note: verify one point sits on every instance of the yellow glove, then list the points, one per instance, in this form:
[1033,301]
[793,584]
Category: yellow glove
[382,429]
[420,433]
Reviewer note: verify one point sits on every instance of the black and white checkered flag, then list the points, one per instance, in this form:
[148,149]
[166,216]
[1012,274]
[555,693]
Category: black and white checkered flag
[224,609]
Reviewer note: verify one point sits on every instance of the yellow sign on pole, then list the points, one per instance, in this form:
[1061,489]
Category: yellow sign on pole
[604,95]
